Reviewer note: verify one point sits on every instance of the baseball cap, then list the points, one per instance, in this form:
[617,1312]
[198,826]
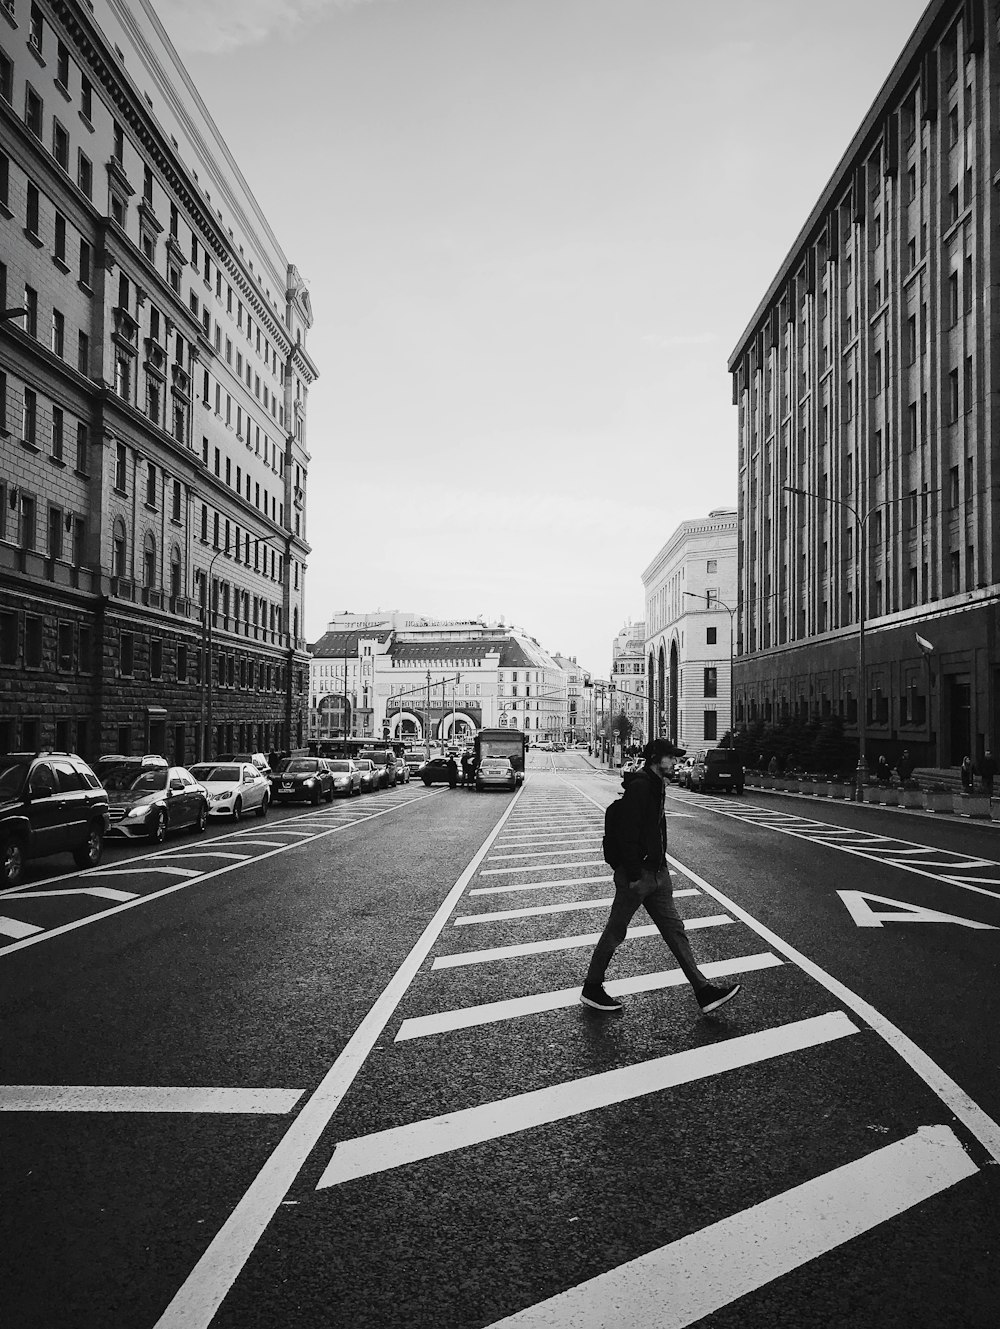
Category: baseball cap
[661,747]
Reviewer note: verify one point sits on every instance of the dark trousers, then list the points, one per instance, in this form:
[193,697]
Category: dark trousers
[655,893]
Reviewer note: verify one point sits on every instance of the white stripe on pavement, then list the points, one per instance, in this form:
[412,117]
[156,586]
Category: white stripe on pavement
[143,1098]
[492,1012]
[531,912]
[564,943]
[392,1148]
[680,1284]
[144,866]
[541,867]
[11,927]
[541,853]
[101,892]
[541,885]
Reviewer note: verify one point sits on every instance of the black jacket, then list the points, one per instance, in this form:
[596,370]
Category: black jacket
[644,825]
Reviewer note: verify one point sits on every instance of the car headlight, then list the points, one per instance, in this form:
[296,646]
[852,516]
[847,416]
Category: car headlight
[219,798]
[140,810]
[310,781]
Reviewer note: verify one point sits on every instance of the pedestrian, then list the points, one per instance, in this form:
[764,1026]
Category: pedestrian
[987,769]
[466,778]
[882,772]
[904,767]
[772,766]
[452,769]
[968,775]
[643,878]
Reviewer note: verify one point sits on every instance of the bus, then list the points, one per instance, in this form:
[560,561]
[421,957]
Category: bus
[510,743]
[352,747]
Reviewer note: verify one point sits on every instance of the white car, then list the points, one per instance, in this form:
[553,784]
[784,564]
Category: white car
[346,776]
[233,788]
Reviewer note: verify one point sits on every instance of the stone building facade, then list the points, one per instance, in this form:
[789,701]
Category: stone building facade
[153,454]
[867,389]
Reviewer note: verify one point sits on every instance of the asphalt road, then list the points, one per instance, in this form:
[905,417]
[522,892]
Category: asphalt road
[330,1069]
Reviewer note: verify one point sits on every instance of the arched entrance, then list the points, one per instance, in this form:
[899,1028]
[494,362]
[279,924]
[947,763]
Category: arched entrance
[674,671]
[458,728]
[661,695]
[406,727]
[651,727]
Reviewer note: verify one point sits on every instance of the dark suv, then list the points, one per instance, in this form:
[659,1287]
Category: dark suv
[716,768]
[50,803]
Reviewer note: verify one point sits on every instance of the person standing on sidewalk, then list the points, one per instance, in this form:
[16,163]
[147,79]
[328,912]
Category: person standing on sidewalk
[987,770]
[644,879]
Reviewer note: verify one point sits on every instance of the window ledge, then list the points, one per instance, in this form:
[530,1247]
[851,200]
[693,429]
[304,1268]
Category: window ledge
[27,444]
[61,87]
[5,211]
[87,121]
[36,53]
[87,290]
[60,263]
[34,238]
[120,490]
[57,461]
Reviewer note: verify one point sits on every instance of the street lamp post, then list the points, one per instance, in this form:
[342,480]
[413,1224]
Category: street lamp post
[732,633]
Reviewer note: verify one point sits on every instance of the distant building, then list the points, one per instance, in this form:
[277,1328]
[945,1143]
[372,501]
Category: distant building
[153,452]
[577,727]
[868,423]
[690,593]
[628,676]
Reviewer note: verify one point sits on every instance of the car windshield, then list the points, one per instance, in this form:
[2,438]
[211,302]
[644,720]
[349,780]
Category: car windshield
[720,758]
[339,765]
[221,774]
[377,758]
[12,776]
[124,779]
[300,765]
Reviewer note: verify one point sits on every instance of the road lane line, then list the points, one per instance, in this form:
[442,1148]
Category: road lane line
[563,943]
[541,853]
[541,885]
[680,1284]
[468,1017]
[534,911]
[144,1098]
[194,1304]
[368,1154]
[954,1097]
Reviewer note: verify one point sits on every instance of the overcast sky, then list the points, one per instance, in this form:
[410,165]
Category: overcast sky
[532,231]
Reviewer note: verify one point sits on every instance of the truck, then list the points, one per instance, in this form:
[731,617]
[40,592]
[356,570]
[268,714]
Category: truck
[510,743]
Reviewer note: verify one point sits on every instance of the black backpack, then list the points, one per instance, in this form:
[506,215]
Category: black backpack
[612,846]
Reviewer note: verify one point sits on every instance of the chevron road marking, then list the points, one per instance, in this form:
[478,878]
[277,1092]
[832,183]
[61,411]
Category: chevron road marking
[680,1284]
[101,892]
[11,927]
[392,1148]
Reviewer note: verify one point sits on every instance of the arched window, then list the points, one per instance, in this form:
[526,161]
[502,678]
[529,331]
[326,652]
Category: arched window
[176,573]
[149,560]
[119,548]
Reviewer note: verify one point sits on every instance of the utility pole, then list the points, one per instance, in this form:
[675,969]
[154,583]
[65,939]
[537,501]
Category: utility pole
[427,726]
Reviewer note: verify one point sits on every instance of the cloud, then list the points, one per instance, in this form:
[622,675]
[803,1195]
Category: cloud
[214,27]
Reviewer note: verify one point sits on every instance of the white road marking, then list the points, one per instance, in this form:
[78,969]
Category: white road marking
[143,1098]
[536,910]
[563,943]
[540,853]
[11,927]
[681,1284]
[542,867]
[493,1012]
[211,853]
[144,867]
[102,893]
[866,917]
[541,885]
[194,1304]
[368,1154]
[546,841]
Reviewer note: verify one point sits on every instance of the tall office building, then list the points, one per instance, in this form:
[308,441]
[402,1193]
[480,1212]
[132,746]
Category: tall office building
[866,382]
[153,386]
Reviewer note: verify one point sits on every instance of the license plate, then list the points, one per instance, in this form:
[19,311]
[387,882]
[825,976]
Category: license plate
[725,777]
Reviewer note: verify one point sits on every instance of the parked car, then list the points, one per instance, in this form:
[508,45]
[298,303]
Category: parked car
[346,776]
[682,772]
[258,759]
[716,768]
[302,778]
[402,771]
[50,803]
[413,762]
[147,803]
[495,773]
[370,779]
[233,788]
[112,759]
[435,771]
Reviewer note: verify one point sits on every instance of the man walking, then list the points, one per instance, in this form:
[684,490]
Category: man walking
[643,878]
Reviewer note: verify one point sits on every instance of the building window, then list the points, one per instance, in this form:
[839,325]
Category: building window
[60,145]
[126,657]
[29,416]
[953,401]
[83,353]
[121,467]
[33,110]
[58,333]
[150,484]
[149,561]
[31,210]
[31,305]
[58,424]
[156,658]
[85,175]
[84,270]
[711,682]
[711,725]
[711,635]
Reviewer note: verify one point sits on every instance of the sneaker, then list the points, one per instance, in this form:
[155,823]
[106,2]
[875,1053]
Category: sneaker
[593,994]
[711,998]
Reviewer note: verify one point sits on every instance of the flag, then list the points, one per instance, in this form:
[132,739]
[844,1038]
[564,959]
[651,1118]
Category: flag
[926,646]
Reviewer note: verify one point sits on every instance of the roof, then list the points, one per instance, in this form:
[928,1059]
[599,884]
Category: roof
[339,644]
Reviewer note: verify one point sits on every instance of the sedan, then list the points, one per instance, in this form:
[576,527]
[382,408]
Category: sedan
[302,778]
[370,781]
[495,773]
[233,788]
[157,800]
[346,776]
[436,771]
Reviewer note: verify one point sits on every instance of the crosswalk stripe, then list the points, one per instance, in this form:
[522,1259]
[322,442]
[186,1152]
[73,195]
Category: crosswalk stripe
[12,927]
[540,885]
[681,1284]
[542,867]
[392,1148]
[564,943]
[492,1012]
[143,1098]
[534,911]
[542,853]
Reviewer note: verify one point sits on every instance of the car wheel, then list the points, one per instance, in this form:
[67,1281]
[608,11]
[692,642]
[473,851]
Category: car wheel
[739,789]
[88,855]
[427,783]
[12,862]
[202,819]
[262,810]
[238,810]
[158,827]
[479,787]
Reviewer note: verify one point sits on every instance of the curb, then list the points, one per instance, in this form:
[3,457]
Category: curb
[911,812]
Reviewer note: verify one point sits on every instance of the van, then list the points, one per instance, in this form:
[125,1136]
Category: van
[716,768]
